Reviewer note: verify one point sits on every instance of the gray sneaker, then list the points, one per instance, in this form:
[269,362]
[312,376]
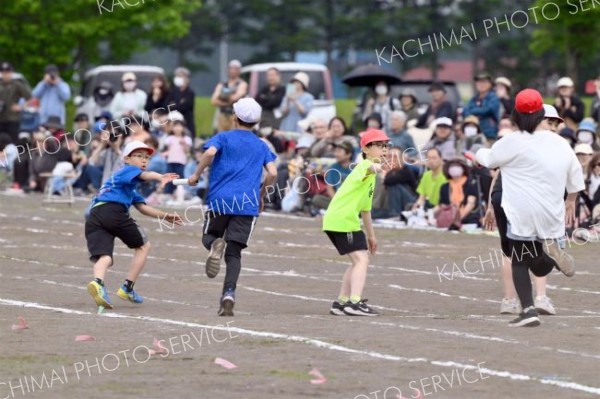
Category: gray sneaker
[564,262]
[510,306]
[544,305]
[213,263]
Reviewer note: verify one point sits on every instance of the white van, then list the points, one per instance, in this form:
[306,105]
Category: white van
[320,85]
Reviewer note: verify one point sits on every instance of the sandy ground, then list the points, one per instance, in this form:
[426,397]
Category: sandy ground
[440,334]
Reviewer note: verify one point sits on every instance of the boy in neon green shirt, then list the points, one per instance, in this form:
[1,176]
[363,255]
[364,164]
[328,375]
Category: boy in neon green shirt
[342,224]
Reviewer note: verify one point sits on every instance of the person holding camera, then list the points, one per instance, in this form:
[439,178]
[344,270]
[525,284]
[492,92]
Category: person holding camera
[107,155]
[53,93]
[12,93]
[568,105]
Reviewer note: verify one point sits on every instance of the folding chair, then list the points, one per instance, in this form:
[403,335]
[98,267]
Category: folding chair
[60,180]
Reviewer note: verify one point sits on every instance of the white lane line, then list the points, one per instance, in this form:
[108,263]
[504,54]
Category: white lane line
[443,294]
[319,344]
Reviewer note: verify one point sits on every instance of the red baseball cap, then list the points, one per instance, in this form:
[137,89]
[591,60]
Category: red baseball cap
[371,135]
[529,101]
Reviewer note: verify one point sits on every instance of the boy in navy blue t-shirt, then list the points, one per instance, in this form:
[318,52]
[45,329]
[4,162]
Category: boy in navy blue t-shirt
[109,218]
[235,197]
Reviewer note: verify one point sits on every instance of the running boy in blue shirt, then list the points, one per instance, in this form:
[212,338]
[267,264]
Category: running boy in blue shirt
[235,197]
[109,218]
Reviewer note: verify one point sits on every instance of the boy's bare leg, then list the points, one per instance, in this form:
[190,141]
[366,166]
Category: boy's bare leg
[101,266]
[137,263]
[360,262]
[540,285]
[345,290]
[507,281]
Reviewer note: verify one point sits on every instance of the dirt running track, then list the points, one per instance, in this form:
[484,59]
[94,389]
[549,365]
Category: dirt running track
[439,334]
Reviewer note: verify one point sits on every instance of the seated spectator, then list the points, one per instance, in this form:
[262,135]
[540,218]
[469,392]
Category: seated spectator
[440,107]
[568,105]
[157,163]
[337,172]
[399,135]
[159,123]
[374,121]
[431,181]
[199,190]
[586,134]
[137,130]
[472,138]
[107,155]
[409,104]
[82,131]
[569,135]
[593,185]
[318,128]
[443,138]
[40,161]
[8,154]
[461,192]
[317,194]
[20,165]
[335,135]
[399,185]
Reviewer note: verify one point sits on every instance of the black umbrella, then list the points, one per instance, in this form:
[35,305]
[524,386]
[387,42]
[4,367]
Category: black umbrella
[369,75]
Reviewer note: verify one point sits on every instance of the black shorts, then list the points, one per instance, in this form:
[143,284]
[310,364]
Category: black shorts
[501,222]
[348,242]
[236,228]
[108,221]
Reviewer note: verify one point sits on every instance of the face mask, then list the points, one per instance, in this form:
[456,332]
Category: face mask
[455,171]
[103,92]
[585,137]
[178,81]
[470,131]
[129,86]
[381,89]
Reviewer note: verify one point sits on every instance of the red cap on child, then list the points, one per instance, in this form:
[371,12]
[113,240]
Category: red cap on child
[372,135]
[529,101]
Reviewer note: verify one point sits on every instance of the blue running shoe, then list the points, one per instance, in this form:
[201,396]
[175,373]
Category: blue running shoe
[130,296]
[99,294]
[227,303]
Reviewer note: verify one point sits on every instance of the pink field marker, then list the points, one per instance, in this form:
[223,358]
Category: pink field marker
[225,363]
[21,326]
[158,347]
[319,378]
[81,338]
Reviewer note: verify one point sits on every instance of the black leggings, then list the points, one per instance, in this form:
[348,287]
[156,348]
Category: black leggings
[233,260]
[524,255]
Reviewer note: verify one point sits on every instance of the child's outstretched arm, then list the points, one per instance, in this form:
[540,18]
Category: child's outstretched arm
[147,210]
[366,217]
[164,179]
[206,160]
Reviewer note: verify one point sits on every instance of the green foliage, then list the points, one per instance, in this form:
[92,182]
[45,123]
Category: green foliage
[76,33]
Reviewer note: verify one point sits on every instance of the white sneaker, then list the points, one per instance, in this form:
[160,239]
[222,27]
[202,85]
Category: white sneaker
[544,305]
[510,306]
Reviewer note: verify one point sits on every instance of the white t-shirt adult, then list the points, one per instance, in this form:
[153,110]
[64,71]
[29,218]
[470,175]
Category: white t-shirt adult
[536,168]
[176,151]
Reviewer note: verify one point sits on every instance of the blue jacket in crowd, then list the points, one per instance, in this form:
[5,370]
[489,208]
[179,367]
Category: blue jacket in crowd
[52,99]
[488,112]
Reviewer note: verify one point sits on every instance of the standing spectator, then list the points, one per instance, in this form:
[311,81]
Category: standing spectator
[182,98]
[297,103]
[485,105]
[568,105]
[178,149]
[228,92]
[269,98]
[408,104]
[443,138]
[103,96]
[595,109]
[52,92]
[431,181]
[382,103]
[440,107]
[11,94]
[503,87]
[158,96]
[130,100]
[399,136]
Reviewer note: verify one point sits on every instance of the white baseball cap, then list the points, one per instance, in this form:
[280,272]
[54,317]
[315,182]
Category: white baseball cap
[175,116]
[551,113]
[584,149]
[234,64]
[247,110]
[565,82]
[136,145]
[444,121]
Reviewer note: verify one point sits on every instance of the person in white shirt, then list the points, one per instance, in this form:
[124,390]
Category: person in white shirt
[536,166]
